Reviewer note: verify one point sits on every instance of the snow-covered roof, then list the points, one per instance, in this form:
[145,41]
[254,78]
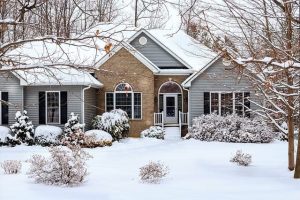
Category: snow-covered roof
[186,49]
[56,76]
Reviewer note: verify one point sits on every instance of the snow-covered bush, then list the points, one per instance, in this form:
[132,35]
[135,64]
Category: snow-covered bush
[73,124]
[73,134]
[115,122]
[231,128]
[11,166]
[64,167]
[97,138]
[6,138]
[154,132]
[22,129]
[46,135]
[241,158]
[153,172]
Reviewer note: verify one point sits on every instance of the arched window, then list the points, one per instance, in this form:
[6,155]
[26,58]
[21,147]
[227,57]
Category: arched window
[124,98]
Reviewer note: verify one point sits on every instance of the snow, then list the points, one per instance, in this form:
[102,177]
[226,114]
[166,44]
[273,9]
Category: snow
[4,132]
[172,133]
[99,135]
[49,133]
[195,54]
[198,170]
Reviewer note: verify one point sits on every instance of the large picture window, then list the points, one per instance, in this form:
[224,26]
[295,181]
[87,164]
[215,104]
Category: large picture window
[53,107]
[224,103]
[124,98]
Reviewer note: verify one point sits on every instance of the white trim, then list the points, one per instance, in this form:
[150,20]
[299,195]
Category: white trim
[188,82]
[175,95]
[83,105]
[46,106]
[161,45]
[158,93]
[133,52]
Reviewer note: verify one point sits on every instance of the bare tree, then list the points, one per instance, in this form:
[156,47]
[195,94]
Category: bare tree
[260,39]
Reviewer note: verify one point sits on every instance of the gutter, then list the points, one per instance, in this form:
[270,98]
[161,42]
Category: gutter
[83,104]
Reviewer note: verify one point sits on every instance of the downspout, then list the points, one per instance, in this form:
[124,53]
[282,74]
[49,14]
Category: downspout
[188,105]
[83,103]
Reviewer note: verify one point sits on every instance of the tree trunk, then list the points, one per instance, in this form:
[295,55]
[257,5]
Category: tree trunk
[136,13]
[297,168]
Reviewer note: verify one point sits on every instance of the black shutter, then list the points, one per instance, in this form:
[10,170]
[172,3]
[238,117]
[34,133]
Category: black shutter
[42,108]
[206,103]
[247,104]
[63,107]
[4,107]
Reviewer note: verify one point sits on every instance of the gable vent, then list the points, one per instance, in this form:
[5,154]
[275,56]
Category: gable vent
[143,40]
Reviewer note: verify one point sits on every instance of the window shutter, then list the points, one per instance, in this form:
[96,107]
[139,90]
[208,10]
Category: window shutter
[63,107]
[4,107]
[247,103]
[42,108]
[206,103]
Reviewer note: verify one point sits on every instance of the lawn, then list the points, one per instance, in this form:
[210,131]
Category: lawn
[198,170]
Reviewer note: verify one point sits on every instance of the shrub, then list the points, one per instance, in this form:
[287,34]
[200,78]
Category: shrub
[11,166]
[231,128]
[241,158]
[115,122]
[6,138]
[22,129]
[73,134]
[154,132]
[153,172]
[97,138]
[64,167]
[46,135]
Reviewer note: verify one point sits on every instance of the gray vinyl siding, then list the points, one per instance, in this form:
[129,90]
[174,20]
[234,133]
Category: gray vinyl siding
[155,53]
[89,107]
[31,101]
[216,79]
[11,84]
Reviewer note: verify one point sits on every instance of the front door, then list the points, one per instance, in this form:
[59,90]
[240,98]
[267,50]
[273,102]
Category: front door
[170,109]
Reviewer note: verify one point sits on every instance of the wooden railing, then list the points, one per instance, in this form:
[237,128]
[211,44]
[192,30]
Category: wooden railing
[183,119]
[159,119]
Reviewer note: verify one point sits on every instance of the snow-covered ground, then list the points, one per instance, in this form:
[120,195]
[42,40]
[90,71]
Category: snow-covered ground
[198,170]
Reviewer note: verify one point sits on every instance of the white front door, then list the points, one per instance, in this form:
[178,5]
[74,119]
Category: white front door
[170,108]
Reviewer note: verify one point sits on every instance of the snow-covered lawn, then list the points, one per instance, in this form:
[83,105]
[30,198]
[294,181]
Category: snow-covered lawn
[198,170]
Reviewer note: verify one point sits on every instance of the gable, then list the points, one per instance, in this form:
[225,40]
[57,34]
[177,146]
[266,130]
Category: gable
[156,54]
[218,77]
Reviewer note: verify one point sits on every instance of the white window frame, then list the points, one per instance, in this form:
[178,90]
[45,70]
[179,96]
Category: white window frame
[233,101]
[59,105]
[132,101]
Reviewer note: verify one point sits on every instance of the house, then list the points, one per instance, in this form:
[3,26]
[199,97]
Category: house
[159,77]
[167,78]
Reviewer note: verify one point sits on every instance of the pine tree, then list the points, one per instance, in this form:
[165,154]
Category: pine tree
[73,134]
[23,128]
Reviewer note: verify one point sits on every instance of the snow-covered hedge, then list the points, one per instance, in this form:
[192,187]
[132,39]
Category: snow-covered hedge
[115,122]
[22,129]
[154,132]
[97,138]
[231,128]
[46,135]
[6,138]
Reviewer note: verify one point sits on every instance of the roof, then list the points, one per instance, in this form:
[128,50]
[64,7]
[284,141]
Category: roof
[57,76]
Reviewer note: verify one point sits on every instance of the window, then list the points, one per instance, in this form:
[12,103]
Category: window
[124,98]
[53,107]
[229,102]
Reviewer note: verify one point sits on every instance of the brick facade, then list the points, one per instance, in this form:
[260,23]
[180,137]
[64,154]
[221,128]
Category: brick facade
[123,66]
